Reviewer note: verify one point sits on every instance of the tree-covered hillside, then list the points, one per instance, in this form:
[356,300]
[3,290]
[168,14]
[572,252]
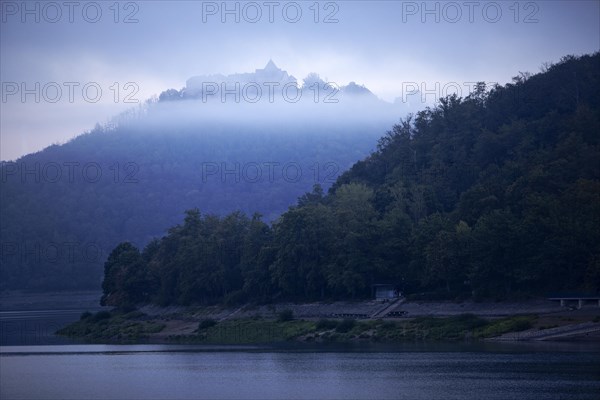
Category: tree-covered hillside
[64,208]
[495,195]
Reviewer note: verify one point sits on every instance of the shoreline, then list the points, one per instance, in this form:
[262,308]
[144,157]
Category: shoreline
[341,322]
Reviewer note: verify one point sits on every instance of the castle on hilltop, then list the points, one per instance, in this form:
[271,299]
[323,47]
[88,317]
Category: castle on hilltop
[270,73]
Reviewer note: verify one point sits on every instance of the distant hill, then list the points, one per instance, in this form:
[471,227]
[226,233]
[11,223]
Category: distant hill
[65,207]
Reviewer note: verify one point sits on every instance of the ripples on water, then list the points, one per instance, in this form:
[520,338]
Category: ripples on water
[32,366]
[202,372]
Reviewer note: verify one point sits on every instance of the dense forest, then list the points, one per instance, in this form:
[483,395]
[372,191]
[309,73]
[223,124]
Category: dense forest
[496,195]
[65,208]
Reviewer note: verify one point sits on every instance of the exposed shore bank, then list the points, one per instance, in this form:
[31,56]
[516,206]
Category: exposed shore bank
[367,321]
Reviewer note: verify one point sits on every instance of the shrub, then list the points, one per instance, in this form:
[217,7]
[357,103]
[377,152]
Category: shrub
[470,321]
[136,314]
[285,315]
[439,295]
[206,323]
[100,315]
[85,315]
[326,324]
[388,325]
[127,308]
[345,325]
[512,324]
[235,298]
[521,325]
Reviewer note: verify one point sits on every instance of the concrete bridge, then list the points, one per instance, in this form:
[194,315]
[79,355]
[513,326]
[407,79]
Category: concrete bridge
[580,300]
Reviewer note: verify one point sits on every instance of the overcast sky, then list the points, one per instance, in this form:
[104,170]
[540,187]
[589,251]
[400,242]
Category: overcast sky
[156,45]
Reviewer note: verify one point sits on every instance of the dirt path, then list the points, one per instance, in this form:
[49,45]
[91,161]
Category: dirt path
[387,308]
[561,332]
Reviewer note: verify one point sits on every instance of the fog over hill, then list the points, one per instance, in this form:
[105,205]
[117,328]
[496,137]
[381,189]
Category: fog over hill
[222,143]
[492,196]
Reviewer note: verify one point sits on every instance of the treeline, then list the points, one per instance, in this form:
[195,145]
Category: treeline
[495,195]
[65,208]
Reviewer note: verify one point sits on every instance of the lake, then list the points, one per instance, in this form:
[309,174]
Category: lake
[35,364]
[32,318]
[415,371]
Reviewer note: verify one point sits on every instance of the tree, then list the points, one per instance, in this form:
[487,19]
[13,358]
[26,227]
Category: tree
[448,258]
[497,195]
[125,277]
[303,239]
[257,256]
[352,269]
[497,254]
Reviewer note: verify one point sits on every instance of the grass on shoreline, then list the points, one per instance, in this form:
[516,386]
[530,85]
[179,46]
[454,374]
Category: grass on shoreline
[111,326]
[137,327]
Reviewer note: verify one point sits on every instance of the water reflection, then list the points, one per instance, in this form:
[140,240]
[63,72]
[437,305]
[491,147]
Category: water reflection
[196,372]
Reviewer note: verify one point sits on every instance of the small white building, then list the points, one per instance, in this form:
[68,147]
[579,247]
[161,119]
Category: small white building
[385,292]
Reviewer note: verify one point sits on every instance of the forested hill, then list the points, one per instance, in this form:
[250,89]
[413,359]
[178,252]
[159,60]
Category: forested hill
[493,196]
[65,208]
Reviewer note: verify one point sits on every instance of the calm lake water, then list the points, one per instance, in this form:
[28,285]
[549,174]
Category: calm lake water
[202,372]
[35,364]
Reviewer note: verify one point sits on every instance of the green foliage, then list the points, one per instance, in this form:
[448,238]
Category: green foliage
[135,314]
[491,196]
[85,315]
[206,323]
[470,321]
[149,176]
[325,324]
[246,331]
[101,315]
[126,279]
[301,248]
[447,328]
[285,315]
[105,327]
[345,325]
[504,325]
[235,298]
[126,328]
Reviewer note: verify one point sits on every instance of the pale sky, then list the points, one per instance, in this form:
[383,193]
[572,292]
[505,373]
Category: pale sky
[138,49]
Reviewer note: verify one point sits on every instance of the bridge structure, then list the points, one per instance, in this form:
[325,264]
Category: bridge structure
[580,300]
